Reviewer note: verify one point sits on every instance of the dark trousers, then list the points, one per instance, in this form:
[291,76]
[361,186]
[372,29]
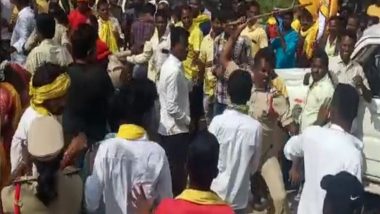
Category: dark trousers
[176,148]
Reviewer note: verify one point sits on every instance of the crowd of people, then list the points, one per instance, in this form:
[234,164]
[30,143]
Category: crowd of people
[147,107]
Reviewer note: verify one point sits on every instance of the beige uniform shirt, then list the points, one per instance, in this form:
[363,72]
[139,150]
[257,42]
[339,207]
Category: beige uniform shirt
[318,93]
[270,109]
[69,198]
[47,51]
[342,73]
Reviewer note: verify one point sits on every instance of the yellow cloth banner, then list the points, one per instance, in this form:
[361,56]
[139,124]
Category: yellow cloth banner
[130,132]
[201,197]
[107,35]
[56,89]
[327,7]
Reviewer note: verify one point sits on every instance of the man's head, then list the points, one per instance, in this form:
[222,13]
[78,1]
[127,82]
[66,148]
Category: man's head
[319,65]
[146,11]
[161,21]
[306,19]
[83,6]
[45,25]
[195,7]
[163,5]
[335,25]
[202,160]
[49,87]
[179,42]
[132,102]
[253,9]
[344,106]
[287,19]
[239,87]
[103,9]
[265,60]
[20,3]
[58,13]
[186,17]
[347,45]
[344,194]
[83,43]
[353,24]
[229,17]
[217,23]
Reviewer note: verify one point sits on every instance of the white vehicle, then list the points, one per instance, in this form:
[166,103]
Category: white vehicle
[367,53]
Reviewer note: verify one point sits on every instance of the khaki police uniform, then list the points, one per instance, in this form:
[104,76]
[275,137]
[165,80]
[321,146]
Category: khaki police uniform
[271,109]
[45,143]
[69,198]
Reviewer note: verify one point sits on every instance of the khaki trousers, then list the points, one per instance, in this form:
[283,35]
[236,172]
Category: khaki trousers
[271,172]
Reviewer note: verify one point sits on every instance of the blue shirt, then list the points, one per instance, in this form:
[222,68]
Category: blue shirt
[286,58]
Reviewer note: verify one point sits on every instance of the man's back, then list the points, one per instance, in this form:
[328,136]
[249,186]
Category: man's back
[337,151]
[122,164]
[239,137]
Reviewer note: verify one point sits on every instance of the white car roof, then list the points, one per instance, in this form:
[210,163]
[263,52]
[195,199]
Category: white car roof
[370,37]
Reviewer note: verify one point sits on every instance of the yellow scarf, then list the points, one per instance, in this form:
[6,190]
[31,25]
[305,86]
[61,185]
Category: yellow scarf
[107,35]
[309,36]
[130,132]
[56,89]
[201,197]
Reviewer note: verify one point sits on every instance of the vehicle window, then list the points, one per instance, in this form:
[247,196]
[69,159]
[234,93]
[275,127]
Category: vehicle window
[371,68]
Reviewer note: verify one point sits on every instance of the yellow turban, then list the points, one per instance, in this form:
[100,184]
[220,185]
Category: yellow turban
[56,89]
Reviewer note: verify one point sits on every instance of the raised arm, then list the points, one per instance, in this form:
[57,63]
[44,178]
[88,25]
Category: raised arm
[226,55]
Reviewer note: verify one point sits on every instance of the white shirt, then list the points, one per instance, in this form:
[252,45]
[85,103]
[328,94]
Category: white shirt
[121,165]
[240,138]
[317,94]
[21,135]
[326,151]
[24,26]
[47,51]
[173,91]
[156,51]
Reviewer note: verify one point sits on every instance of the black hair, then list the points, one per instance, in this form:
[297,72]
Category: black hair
[335,18]
[94,22]
[253,3]
[178,35]
[289,13]
[346,101]
[100,3]
[22,2]
[46,74]
[146,8]
[163,14]
[83,41]
[45,25]
[374,19]
[267,54]
[350,34]
[185,7]
[58,13]
[306,14]
[132,102]
[47,190]
[321,54]
[239,87]
[202,159]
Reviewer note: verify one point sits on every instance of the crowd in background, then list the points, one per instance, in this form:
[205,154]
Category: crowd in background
[154,107]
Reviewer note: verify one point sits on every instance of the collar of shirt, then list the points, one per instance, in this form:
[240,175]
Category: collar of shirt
[338,128]
[47,42]
[253,27]
[174,60]
[315,84]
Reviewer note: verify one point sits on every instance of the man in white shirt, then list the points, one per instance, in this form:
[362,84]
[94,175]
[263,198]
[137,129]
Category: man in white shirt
[156,50]
[329,149]
[47,50]
[173,90]
[130,159]
[320,90]
[347,71]
[47,97]
[24,26]
[240,138]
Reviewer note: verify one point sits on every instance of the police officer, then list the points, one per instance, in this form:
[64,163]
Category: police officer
[53,190]
[269,105]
